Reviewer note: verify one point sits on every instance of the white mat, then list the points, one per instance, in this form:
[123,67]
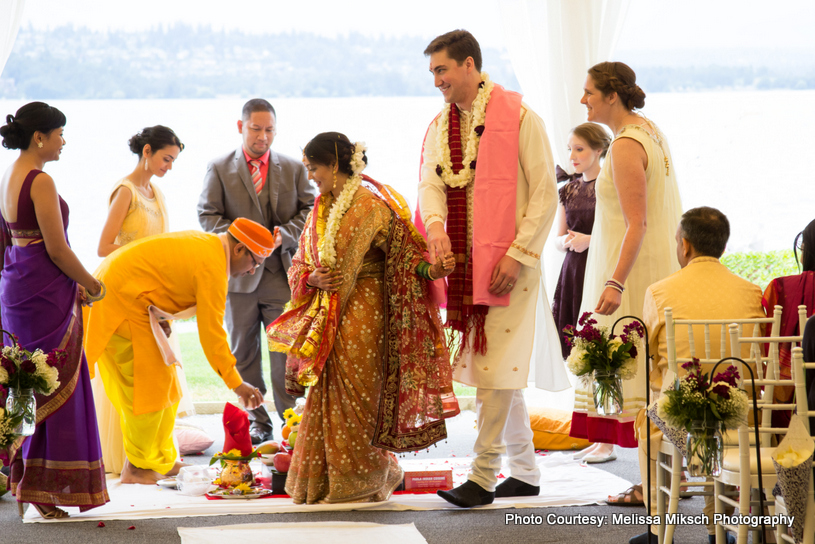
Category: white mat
[342,532]
[564,482]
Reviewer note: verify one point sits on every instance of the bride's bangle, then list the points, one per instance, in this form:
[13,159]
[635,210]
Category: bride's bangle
[100,296]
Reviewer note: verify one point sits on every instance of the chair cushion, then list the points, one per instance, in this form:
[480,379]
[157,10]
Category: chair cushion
[731,460]
[731,437]
[550,430]
[191,440]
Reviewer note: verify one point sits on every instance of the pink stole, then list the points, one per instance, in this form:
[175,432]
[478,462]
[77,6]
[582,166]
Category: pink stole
[494,196]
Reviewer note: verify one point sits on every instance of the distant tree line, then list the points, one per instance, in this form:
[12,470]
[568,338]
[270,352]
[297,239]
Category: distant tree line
[194,62]
[182,61]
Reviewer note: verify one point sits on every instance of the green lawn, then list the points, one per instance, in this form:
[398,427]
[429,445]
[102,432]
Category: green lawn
[207,386]
[761,268]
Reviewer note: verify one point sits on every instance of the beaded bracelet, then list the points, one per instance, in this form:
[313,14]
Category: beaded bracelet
[102,292]
[615,285]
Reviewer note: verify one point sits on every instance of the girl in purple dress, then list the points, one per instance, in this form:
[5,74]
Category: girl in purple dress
[587,145]
[42,287]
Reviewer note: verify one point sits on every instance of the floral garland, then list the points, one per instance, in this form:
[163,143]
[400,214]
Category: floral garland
[327,245]
[444,164]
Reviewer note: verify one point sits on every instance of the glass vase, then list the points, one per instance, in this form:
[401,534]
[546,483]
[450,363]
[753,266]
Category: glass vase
[705,449]
[21,406]
[607,391]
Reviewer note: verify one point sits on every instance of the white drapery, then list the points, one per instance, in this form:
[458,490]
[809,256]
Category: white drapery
[552,43]
[12,15]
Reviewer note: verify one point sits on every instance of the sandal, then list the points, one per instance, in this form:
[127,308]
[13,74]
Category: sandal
[56,513]
[630,497]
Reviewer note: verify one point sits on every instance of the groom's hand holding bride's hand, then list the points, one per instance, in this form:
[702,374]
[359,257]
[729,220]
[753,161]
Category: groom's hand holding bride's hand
[444,266]
[438,243]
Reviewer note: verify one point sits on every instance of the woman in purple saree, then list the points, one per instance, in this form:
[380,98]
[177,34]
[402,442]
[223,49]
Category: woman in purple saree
[61,463]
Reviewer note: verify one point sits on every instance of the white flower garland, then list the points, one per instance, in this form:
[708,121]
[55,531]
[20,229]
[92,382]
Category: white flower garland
[327,246]
[479,114]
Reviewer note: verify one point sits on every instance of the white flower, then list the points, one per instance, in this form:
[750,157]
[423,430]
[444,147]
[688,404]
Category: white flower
[443,159]
[576,362]
[327,247]
[629,369]
[357,162]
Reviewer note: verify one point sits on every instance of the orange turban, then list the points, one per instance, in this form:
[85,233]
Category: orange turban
[254,236]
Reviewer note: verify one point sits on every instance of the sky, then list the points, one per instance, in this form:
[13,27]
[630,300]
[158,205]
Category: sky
[650,25]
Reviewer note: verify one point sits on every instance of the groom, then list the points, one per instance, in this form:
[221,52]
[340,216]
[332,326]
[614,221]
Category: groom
[260,184]
[488,175]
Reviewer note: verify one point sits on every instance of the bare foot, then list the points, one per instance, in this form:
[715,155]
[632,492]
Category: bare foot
[134,475]
[176,468]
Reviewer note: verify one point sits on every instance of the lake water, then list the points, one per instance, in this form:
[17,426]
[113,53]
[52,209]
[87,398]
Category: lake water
[730,150]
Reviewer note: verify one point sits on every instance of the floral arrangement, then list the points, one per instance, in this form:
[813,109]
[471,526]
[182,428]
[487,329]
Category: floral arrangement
[692,398]
[327,232]
[233,455]
[594,350]
[23,369]
[444,163]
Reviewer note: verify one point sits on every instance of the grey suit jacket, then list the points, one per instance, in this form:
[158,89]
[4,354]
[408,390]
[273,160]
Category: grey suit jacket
[228,194]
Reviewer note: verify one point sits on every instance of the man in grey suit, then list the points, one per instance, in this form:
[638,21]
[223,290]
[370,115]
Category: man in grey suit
[272,189]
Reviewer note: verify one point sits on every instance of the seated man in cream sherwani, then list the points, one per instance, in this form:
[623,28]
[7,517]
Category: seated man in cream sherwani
[703,289]
[169,275]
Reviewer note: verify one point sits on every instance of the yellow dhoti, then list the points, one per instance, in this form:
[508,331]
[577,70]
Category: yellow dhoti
[148,438]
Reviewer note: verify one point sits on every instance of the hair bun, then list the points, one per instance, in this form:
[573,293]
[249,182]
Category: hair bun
[9,119]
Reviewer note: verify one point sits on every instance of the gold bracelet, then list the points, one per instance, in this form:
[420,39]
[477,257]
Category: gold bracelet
[100,296]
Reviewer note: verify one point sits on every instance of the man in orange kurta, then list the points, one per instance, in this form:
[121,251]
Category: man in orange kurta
[173,272]
[703,289]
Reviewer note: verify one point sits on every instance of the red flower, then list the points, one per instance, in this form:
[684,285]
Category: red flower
[730,376]
[56,358]
[100,524]
[479,130]
[472,165]
[8,365]
[721,389]
[438,170]
[28,366]
[3,396]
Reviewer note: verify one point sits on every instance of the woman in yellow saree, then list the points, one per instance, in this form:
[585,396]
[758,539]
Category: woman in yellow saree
[362,332]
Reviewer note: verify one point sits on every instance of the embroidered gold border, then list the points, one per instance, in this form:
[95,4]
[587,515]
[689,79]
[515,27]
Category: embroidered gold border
[386,434]
[55,402]
[525,251]
[64,465]
[62,499]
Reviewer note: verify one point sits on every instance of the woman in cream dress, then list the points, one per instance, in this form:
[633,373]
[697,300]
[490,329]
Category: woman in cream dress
[137,209]
[633,240]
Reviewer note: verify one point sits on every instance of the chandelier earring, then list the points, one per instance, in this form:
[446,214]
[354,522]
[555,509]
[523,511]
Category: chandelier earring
[146,168]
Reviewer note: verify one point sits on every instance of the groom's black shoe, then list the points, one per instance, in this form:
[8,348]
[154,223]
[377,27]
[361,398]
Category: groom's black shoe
[468,495]
[512,487]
